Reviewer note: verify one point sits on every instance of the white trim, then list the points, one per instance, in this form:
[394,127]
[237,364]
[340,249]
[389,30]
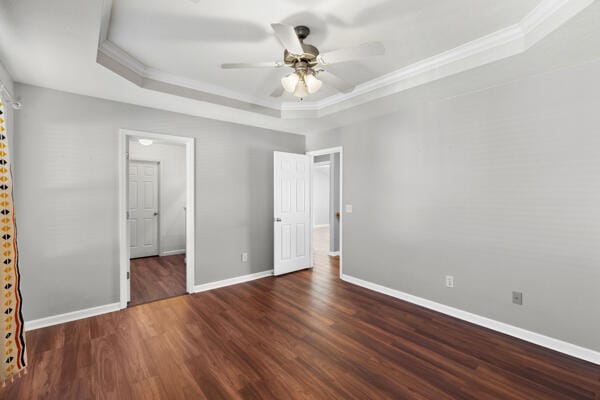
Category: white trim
[143,72]
[520,333]
[232,281]
[190,241]
[334,253]
[122,219]
[205,87]
[121,56]
[105,20]
[313,154]
[507,42]
[322,164]
[113,51]
[171,252]
[71,316]
[190,214]
[320,226]
[322,152]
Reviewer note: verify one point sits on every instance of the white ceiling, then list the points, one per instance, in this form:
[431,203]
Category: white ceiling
[55,43]
[191,40]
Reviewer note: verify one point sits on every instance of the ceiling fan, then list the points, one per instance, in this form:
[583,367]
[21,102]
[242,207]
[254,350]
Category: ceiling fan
[308,63]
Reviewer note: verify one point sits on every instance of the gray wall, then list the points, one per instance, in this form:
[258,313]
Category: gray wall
[500,188]
[66,189]
[321,195]
[9,113]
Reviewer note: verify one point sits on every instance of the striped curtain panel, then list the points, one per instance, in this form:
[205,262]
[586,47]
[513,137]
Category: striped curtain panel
[12,335]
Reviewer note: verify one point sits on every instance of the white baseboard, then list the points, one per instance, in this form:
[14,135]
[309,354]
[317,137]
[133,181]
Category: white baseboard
[70,316]
[90,312]
[171,252]
[520,333]
[231,281]
[334,253]
[321,226]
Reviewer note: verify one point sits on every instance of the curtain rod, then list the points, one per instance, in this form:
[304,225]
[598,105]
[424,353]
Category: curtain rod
[9,97]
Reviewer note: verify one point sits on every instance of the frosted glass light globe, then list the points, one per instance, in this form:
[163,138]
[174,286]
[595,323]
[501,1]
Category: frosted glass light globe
[290,82]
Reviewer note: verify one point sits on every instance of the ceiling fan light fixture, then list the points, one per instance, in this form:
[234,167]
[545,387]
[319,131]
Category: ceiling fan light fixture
[312,83]
[290,82]
[301,90]
[307,61]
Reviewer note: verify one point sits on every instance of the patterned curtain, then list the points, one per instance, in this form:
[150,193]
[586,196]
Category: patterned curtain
[12,335]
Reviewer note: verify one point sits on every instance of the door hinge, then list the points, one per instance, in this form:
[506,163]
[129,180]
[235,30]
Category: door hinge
[128,275]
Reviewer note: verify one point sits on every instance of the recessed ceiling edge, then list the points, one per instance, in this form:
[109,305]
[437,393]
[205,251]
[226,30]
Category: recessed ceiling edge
[515,39]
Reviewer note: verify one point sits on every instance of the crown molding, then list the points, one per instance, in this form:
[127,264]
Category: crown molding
[158,75]
[515,39]
[127,66]
[106,13]
[113,51]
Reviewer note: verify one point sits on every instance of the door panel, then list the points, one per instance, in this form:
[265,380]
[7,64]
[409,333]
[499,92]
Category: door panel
[291,212]
[143,208]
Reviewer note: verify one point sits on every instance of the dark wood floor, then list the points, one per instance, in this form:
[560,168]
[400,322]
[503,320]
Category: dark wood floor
[304,335]
[155,278]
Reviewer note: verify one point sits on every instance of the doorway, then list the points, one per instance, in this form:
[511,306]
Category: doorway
[326,206]
[156,229]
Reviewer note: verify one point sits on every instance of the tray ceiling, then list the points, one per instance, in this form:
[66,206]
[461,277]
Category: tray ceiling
[68,45]
[177,47]
[191,40]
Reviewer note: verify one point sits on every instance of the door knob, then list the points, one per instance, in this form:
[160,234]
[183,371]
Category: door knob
[277,219]
[155,214]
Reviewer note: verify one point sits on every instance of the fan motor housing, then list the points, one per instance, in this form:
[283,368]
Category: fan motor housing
[310,52]
[309,56]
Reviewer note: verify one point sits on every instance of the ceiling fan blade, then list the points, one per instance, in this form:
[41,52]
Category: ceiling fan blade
[352,53]
[335,81]
[273,64]
[278,92]
[288,38]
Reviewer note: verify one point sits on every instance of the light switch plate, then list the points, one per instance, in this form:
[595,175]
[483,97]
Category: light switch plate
[349,208]
[244,257]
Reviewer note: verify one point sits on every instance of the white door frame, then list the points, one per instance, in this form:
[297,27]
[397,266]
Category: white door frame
[124,136]
[313,154]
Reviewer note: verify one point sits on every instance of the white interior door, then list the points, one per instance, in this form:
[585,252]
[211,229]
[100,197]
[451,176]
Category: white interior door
[143,209]
[292,222]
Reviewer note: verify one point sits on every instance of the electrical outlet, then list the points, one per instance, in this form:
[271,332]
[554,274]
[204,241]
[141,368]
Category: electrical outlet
[517,298]
[348,208]
[449,281]
[244,257]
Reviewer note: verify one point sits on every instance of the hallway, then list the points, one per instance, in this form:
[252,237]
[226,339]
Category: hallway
[156,278]
[321,258]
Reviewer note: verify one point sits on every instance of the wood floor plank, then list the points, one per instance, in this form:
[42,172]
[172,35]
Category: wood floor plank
[156,278]
[303,335]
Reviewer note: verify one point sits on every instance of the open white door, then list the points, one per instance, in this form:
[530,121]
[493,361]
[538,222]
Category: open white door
[291,212]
